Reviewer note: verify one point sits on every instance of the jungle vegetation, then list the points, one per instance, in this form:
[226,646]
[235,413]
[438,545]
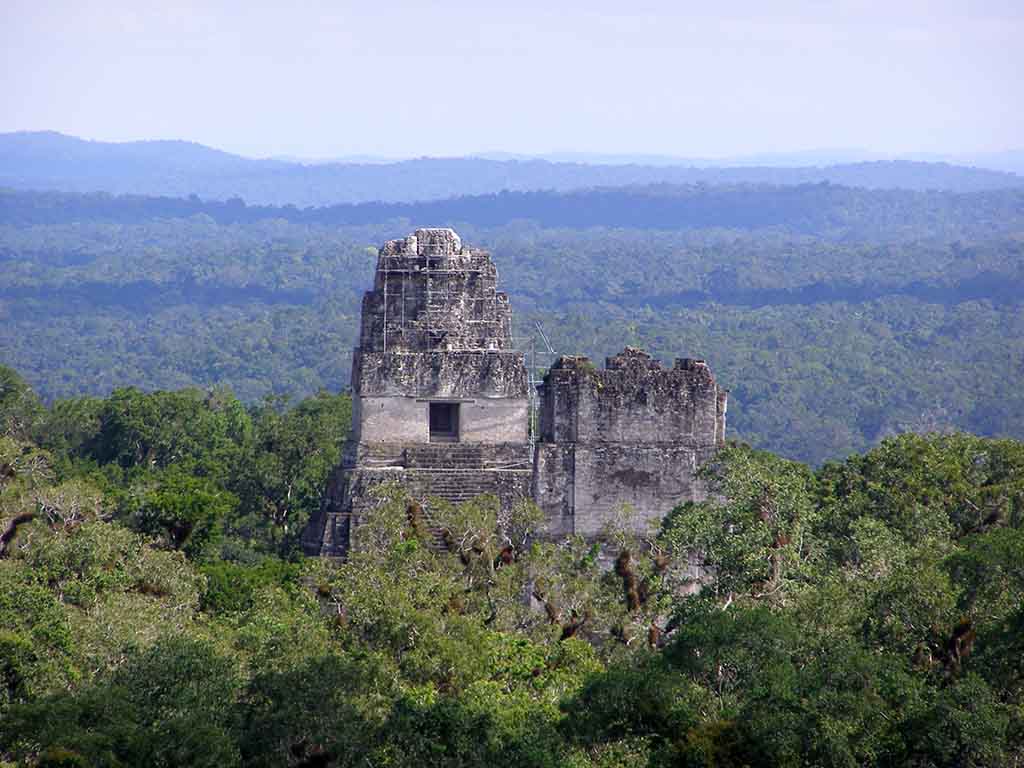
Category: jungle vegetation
[837,316]
[154,609]
[173,365]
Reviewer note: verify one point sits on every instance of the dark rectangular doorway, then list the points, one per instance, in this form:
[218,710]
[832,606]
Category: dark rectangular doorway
[444,422]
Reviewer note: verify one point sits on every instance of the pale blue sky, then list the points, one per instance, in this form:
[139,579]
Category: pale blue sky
[323,79]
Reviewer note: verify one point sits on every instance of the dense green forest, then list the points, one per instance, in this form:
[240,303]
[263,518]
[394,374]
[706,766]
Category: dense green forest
[836,316]
[832,212]
[47,160]
[154,609]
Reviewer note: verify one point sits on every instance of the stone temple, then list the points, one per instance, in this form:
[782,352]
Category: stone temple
[441,405]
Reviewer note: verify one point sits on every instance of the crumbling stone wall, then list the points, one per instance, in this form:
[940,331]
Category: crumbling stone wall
[430,292]
[632,434]
[435,330]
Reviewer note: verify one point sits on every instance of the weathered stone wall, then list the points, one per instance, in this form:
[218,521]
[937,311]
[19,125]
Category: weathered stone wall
[405,419]
[582,486]
[439,374]
[434,329]
[633,434]
[633,400]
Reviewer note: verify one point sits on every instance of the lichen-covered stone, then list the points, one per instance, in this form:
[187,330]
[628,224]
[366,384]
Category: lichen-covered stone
[633,434]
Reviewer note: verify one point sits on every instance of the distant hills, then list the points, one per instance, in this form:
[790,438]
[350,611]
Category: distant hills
[48,160]
[1010,161]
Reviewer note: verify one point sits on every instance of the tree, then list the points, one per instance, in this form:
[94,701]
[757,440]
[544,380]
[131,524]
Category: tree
[200,433]
[755,534]
[20,408]
[283,480]
[170,705]
[186,512]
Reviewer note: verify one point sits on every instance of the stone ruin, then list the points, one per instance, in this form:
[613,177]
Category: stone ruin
[441,405]
[439,397]
[631,434]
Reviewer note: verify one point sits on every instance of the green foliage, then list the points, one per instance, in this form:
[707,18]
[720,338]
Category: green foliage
[965,725]
[864,614]
[757,531]
[232,587]
[188,428]
[186,512]
[325,708]
[35,640]
[19,405]
[70,425]
[84,563]
[170,705]
[922,485]
[836,317]
[197,468]
[648,701]
[284,476]
[58,757]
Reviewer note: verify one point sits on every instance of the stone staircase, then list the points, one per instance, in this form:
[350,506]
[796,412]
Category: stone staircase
[443,456]
[454,472]
[435,543]
[457,486]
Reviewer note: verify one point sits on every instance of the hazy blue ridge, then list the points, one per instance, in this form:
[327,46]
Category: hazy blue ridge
[48,160]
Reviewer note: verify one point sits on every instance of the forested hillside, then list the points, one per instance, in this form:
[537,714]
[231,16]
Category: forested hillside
[836,213]
[153,609]
[180,169]
[836,316]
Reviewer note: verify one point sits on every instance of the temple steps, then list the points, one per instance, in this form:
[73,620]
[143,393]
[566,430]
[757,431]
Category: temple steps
[455,487]
[443,456]
[436,541]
